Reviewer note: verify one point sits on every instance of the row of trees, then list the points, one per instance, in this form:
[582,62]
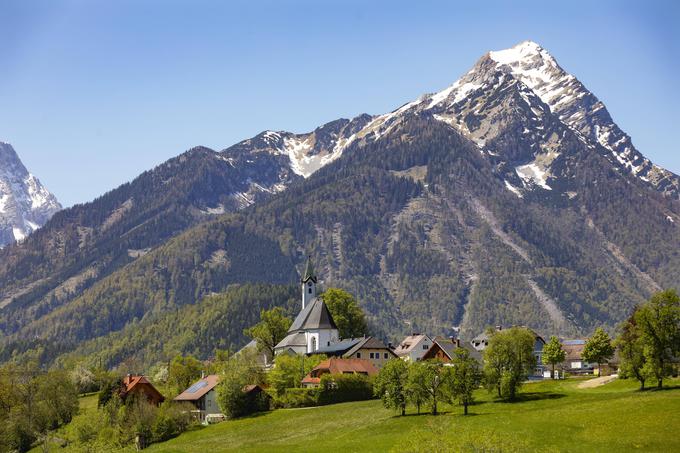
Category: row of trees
[427,383]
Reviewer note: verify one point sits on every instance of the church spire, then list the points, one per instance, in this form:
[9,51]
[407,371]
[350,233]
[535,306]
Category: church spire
[308,284]
[309,272]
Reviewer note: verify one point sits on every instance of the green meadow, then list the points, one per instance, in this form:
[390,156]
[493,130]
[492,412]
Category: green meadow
[549,416]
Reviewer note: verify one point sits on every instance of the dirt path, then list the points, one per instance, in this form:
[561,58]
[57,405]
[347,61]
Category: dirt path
[596,382]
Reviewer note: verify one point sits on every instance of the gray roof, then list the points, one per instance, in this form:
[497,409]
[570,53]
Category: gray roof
[338,348]
[314,316]
[292,339]
[369,343]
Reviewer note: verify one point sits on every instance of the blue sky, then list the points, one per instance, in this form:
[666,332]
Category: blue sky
[93,93]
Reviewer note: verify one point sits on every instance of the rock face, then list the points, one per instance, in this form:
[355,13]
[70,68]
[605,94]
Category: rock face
[25,204]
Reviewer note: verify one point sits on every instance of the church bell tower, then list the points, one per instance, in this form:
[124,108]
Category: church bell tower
[308,284]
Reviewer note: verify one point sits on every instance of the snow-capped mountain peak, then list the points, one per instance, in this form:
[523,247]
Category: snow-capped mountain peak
[25,204]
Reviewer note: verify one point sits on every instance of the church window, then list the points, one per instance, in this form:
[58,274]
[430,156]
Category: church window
[313,343]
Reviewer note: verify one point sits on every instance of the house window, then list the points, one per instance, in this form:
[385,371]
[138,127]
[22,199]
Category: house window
[358,355]
[370,355]
[385,355]
[425,347]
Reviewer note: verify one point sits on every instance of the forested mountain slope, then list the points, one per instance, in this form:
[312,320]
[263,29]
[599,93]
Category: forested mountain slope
[478,205]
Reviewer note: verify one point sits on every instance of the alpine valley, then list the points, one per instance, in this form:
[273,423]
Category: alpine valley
[510,197]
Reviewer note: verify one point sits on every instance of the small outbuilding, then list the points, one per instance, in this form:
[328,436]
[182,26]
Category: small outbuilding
[138,386]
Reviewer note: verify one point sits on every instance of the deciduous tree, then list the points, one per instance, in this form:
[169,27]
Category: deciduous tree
[391,385]
[598,348]
[347,314]
[659,324]
[271,329]
[631,346]
[463,378]
[553,353]
[508,360]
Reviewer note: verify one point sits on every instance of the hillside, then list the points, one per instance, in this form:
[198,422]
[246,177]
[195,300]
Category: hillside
[610,418]
[478,205]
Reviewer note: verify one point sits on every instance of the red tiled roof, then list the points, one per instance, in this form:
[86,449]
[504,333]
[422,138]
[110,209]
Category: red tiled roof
[336,365]
[131,382]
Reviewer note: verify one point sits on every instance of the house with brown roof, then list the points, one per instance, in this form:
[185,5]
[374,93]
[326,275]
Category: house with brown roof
[413,347]
[336,365]
[573,361]
[443,349]
[203,396]
[481,341]
[368,348]
[139,386]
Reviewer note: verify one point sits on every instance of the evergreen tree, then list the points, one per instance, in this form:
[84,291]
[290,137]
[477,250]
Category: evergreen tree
[553,353]
[598,348]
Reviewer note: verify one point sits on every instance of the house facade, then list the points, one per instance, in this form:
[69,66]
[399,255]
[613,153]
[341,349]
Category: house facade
[481,341]
[366,348]
[413,347]
[203,397]
[313,327]
[443,349]
[138,386]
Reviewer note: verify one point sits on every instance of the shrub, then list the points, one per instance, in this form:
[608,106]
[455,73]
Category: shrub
[298,397]
[171,420]
[339,388]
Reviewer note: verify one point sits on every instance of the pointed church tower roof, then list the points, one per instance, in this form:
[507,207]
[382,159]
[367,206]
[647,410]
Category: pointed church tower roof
[314,316]
[309,271]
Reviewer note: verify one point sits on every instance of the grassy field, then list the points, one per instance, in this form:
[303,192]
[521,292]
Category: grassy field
[551,416]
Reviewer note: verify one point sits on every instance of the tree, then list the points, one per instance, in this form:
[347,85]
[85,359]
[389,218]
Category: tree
[391,385]
[425,383]
[289,370]
[184,371]
[347,314]
[631,346]
[553,353]
[598,348]
[463,378]
[239,371]
[271,329]
[508,360]
[659,323]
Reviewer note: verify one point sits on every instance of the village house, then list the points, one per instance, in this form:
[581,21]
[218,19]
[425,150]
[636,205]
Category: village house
[368,348]
[314,326]
[138,386]
[336,365]
[413,347]
[203,396]
[443,349]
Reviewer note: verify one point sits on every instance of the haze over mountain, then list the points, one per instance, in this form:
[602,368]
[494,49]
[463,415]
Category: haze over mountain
[25,204]
[510,197]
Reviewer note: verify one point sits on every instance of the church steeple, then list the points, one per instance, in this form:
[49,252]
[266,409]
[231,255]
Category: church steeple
[308,283]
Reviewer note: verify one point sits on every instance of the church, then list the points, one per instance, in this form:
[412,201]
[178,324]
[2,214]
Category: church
[313,327]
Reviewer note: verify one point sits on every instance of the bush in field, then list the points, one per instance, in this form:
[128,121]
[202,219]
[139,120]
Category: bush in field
[298,397]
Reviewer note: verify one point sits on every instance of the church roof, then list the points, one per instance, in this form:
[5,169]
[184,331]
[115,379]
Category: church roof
[292,339]
[309,272]
[314,316]
[339,348]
